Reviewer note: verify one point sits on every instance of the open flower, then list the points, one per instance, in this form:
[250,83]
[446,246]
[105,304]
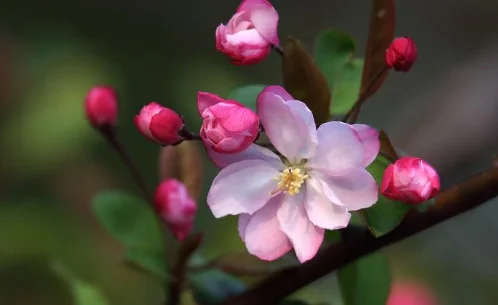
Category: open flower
[287,202]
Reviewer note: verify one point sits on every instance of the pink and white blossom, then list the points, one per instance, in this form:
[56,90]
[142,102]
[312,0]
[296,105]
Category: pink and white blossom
[287,202]
[249,34]
[228,126]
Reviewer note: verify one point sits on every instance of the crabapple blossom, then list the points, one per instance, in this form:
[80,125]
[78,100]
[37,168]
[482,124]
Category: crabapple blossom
[287,201]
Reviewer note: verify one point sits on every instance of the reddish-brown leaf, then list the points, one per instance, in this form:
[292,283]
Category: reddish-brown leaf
[386,147]
[381,34]
[304,81]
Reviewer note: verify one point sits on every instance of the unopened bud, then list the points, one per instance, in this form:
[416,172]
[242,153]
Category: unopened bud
[101,106]
[176,206]
[159,124]
[411,180]
[401,54]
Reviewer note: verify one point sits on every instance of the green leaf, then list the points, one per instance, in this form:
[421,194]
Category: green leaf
[132,221]
[346,90]
[386,214]
[213,286]
[334,55]
[83,293]
[304,81]
[333,49]
[366,281]
[246,95]
[149,261]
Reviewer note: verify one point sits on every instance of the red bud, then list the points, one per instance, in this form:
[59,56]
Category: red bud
[159,124]
[101,106]
[401,54]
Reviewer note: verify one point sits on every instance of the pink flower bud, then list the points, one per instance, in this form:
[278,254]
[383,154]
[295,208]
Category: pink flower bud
[401,54]
[101,106]
[159,124]
[411,180]
[228,127]
[176,206]
[248,36]
[410,294]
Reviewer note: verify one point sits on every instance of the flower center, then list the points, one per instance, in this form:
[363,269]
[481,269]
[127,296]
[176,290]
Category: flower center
[290,180]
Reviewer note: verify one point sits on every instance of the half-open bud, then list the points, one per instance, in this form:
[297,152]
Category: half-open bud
[411,180]
[228,127]
[248,36]
[159,124]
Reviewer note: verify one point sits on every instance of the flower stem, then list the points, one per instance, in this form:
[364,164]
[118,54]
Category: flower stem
[187,248]
[110,135]
[353,113]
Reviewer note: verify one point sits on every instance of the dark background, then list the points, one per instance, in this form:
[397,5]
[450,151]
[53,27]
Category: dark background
[52,52]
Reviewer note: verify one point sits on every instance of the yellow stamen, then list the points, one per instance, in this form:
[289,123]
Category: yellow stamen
[290,180]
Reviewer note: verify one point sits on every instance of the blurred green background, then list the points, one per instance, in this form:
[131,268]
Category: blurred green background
[53,51]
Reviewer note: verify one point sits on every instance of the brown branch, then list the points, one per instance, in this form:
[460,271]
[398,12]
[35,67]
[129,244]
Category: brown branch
[187,248]
[460,198]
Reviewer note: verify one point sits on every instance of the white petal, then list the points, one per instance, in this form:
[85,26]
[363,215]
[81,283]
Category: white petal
[242,187]
[369,138]
[263,236]
[321,211]
[354,191]
[289,125]
[253,152]
[338,151]
[306,238]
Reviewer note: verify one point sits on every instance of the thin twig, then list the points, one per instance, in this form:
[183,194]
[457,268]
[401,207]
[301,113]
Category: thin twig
[353,113]
[460,198]
[187,248]
[111,137]
[109,133]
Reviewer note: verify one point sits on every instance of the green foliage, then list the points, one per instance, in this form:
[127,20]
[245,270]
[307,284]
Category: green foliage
[150,261]
[213,286]
[246,95]
[334,55]
[386,214]
[83,292]
[304,81]
[132,221]
[366,281]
